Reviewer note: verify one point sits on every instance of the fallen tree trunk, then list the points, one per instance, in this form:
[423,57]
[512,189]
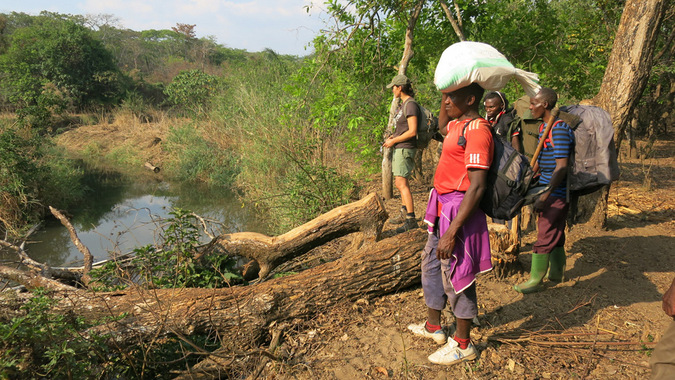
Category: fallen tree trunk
[367,215]
[151,167]
[241,314]
[33,280]
[88,257]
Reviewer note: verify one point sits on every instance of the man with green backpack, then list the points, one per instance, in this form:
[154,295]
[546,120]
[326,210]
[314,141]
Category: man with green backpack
[557,145]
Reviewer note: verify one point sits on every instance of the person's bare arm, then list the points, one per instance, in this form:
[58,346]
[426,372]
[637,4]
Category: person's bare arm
[515,143]
[443,118]
[556,179]
[472,197]
[407,135]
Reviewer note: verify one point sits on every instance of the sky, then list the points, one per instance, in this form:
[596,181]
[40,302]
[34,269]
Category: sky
[285,26]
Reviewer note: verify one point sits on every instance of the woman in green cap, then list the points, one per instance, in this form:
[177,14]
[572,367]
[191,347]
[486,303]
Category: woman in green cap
[403,141]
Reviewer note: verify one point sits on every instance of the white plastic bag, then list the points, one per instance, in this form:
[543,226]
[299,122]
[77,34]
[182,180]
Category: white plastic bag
[469,62]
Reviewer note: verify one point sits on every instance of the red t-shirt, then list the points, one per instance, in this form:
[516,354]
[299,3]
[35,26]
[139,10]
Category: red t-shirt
[452,171]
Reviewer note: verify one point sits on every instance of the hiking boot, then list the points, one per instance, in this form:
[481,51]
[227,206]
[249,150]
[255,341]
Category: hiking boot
[400,218]
[410,223]
[556,268]
[420,330]
[451,353]
[537,272]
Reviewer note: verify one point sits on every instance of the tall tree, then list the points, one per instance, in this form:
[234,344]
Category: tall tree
[630,62]
[627,72]
[455,20]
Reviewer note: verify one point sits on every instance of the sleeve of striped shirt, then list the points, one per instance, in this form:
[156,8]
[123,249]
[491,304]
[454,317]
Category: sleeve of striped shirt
[562,140]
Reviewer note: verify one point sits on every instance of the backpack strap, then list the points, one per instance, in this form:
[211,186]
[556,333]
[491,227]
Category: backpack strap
[419,109]
[461,141]
[549,138]
[410,99]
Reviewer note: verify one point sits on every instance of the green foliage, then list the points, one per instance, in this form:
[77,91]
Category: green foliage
[34,173]
[171,263]
[39,343]
[310,188]
[53,64]
[192,91]
[289,167]
[124,156]
[196,159]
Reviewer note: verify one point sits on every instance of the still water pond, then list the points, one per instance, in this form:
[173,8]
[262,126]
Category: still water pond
[120,215]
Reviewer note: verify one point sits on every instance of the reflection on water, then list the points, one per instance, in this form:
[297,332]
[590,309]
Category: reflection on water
[121,215]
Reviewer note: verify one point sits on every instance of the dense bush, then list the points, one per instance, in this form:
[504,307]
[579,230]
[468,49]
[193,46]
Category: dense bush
[52,65]
[34,173]
[192,91]
[197,158]
[42,342]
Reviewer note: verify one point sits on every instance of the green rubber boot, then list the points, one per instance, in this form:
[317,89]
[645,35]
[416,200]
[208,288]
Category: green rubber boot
[537,273]
[556,269]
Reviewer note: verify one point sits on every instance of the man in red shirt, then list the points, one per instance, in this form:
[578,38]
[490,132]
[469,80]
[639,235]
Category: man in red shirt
[458,247]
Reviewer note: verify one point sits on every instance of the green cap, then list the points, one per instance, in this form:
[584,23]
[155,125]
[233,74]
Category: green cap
[399,80]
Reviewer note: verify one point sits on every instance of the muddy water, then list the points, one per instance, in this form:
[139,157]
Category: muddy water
[120,215]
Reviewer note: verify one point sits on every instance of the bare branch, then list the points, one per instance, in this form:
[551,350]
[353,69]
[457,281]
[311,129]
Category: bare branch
[32,280]
[455,22]
[88,258]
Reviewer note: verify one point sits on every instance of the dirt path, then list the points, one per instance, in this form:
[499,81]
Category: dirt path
[571,330]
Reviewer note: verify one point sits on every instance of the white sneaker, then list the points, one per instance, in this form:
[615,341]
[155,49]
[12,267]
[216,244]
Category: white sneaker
[420,330]
[451,353]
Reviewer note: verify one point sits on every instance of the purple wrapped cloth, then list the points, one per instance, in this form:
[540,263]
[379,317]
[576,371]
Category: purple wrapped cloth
[471,254]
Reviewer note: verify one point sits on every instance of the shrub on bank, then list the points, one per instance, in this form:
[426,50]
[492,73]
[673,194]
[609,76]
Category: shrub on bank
[194,158]
[34,174]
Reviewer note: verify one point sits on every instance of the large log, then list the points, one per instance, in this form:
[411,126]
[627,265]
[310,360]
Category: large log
[367,216]
[241,314]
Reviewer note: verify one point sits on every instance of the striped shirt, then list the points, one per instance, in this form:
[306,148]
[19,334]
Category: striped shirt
[560,147]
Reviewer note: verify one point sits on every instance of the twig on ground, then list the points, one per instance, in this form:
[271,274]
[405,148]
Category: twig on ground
[578,306]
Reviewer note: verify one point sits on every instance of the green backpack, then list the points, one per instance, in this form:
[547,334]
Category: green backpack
[529,126]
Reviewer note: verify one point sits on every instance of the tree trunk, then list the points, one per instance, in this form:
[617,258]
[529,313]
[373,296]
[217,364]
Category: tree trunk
[418,173]
[387,177]
[33,280]
[631,61]
[242,313]
[625,78]
[367,215]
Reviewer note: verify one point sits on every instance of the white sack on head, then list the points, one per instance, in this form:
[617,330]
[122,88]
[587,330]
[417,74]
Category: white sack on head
[469,62]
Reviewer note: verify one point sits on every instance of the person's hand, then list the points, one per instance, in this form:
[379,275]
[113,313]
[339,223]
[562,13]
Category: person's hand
[669,301]
[540,203]
[446,244]
[388,143]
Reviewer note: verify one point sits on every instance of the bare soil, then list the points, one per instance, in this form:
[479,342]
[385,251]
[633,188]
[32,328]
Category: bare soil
[602,322]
